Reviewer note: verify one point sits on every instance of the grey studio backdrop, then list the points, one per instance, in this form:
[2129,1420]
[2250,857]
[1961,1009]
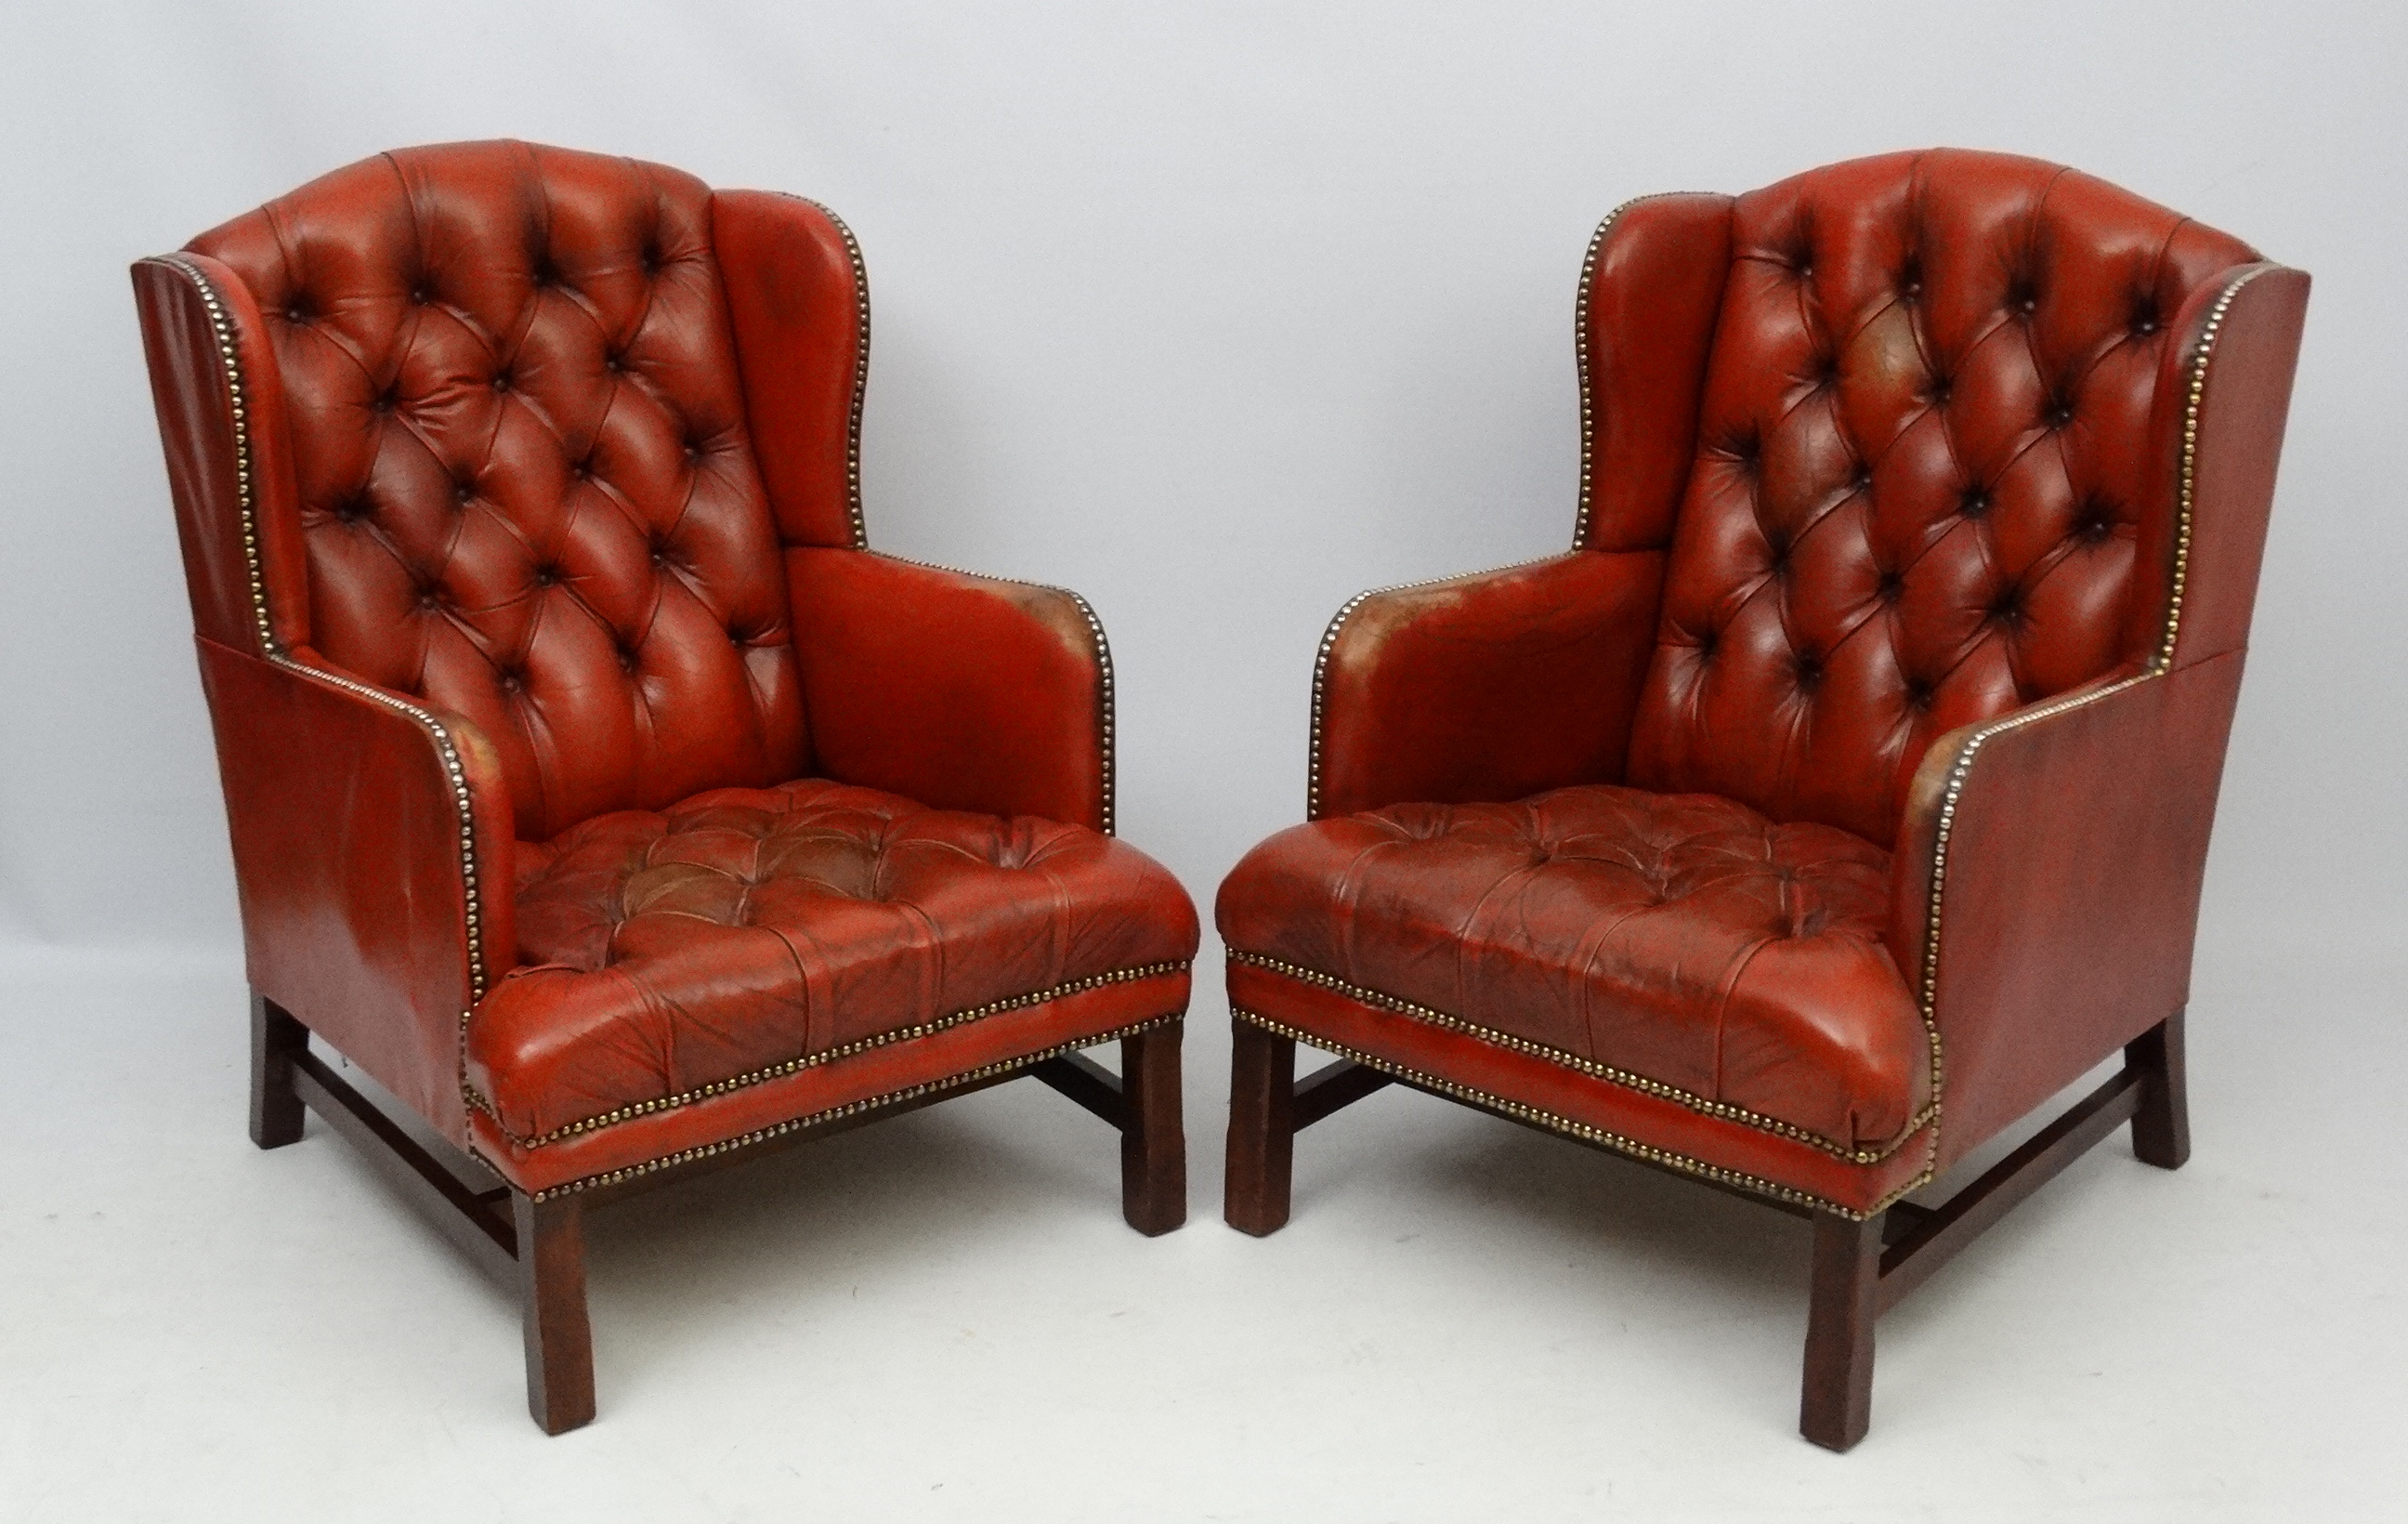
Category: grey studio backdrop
[1220,314]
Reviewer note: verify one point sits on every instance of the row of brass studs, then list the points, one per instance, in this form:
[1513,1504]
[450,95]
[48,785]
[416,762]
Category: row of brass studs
[1580,351]
[1657,1088]
[1961,771]
[1103,663]
[2191,406]
[860,373]
[1330,644]
[245,504]
[1582,1130]
[794,1066]
[687,1155]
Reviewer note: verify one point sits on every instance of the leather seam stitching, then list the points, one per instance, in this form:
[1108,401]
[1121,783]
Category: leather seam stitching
[1721,1109]
[477,1100]
[760,1135]
[1683,1163]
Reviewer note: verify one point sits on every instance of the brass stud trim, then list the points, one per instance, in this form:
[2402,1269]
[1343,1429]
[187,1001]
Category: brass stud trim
[447,751]
[2192,404]
[687,1155]
[1106,719]
[1329,645]
[1581,1131]
[1722,1110]
[813,1060]
[860,373]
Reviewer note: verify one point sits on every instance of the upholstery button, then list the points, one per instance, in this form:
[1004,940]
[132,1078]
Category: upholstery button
[293,313]
[1863,479]
[384,403]
[502,382]
[462,492]
[1891,587]
[510,682]
[1707,643]
[546,578]
[420,296]
[610,363]
[2058,415]
[426,601]
[1809,671]
[1975,503]
[1940,392]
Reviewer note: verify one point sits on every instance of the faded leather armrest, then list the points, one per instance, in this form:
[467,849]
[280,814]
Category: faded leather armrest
[2046,884]
[1487,687]
[960,691]
[373,849]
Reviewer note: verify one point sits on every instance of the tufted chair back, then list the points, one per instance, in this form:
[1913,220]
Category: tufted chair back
[1933,476]
[504,463]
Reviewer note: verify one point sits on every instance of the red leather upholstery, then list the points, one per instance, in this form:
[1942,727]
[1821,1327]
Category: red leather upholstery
[1923,454]
[519,494]
[1678,938]
[1922,498]
[745,929]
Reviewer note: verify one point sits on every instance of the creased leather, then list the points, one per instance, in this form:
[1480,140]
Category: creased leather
[1684,938]
[1929,487]
[663,953]
[497,461]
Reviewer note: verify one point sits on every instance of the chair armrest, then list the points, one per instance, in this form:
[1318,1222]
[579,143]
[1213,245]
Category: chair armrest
[373,854]
[1486,686]
[957,690]
[2046,885]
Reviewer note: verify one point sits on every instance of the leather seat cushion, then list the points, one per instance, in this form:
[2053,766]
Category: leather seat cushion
[744,932]
[1669,942]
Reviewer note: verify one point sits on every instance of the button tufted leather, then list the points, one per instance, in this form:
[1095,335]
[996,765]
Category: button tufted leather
[509,356]
[1892,467]
[510,481]
[1680,938]
[1927,403]
[743,929]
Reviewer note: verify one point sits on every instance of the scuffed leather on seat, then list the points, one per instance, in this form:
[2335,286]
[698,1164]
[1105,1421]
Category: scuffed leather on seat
[746,928]
[1683,939]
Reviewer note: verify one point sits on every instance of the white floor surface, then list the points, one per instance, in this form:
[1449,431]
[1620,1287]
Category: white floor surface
[942,1317]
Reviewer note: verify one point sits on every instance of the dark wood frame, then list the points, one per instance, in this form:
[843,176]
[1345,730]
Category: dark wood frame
[537,1245]
[1861,1268]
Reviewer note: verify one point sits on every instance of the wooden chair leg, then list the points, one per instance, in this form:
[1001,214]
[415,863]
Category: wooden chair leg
[1154,1133]
[1837,1405]
[2161,1127]
[276,1036]
[1262,1129]
[552,1309]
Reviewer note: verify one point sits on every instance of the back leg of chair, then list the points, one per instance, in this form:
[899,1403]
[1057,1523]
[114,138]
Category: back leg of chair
[2161,1127]
[552,1309]
[1153,1132]
[1262,1129]
[276,1036]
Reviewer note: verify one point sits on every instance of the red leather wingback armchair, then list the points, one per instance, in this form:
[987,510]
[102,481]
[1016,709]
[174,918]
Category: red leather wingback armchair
[1843,794]
[593,787]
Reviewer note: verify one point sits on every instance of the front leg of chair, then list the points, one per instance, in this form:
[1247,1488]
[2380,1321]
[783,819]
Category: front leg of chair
[1262,1129]
[552,1309]
[1153,1132]
[276,1036]
[1837,1404]
[2161,1127]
